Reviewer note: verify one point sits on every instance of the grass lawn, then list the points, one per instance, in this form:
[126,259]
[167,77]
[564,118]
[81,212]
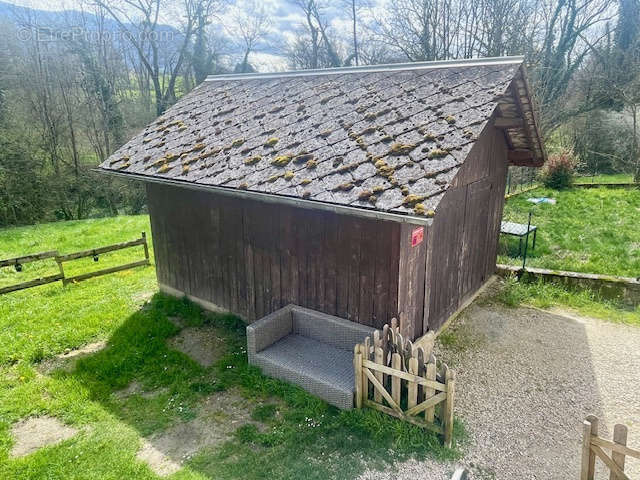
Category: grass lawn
[291,434]
[581,301]
[606,178]
[43,321]
[588,230]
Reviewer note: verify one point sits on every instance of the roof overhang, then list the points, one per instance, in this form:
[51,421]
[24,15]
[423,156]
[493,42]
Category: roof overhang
[389,67]
[517,116]
[279,199]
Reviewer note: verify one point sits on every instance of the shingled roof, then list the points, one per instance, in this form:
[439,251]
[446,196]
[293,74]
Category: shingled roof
[383,139]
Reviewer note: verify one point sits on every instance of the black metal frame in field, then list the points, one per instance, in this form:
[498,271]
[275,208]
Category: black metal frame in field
[17,263]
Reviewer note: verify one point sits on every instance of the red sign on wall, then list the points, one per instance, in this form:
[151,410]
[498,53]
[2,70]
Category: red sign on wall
[417,236]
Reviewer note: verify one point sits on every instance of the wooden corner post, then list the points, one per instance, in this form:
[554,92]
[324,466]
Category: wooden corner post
[620,438]
[448,407]
[145,246]
[357,366]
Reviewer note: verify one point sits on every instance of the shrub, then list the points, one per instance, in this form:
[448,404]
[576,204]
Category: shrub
[558,173]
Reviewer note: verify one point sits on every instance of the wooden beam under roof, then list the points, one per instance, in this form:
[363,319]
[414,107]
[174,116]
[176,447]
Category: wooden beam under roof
[524,158]
[505,123]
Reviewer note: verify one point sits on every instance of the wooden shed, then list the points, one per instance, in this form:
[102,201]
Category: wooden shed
[366,192]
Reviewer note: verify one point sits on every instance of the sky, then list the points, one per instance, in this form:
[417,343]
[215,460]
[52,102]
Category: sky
[286,18]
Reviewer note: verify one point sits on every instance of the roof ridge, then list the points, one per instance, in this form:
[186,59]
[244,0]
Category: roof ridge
[390,67]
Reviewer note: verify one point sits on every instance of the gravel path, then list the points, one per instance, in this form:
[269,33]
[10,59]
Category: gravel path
[526,379]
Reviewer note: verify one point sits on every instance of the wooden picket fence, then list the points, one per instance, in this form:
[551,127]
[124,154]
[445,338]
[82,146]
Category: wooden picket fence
[407,382]
[18,262]
[593,446]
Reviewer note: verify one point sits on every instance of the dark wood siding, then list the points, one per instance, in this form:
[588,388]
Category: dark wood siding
[462,243]
[411,281]
[253,257]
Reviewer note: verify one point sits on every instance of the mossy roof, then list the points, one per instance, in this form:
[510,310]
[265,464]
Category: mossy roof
[327,136]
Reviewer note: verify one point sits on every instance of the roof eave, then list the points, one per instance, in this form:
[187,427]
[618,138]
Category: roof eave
[390,67]
[536,122]
[281,199]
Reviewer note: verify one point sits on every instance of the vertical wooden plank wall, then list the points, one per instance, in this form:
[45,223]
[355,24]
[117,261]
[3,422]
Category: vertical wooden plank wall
[253,257]
[464,236]
[411,280]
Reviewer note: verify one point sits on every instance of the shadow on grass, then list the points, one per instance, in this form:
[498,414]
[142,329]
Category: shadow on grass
[302,437]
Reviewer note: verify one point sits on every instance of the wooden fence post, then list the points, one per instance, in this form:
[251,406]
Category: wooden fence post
[396,382]
[431,373]
[593,420]
[377,396]
[619,437]
[586,473]
[145,245]
[412,387]
[357,365]
[448,408]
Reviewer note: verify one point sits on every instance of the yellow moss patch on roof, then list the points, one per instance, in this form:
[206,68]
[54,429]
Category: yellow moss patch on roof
[271,142]
[412,199]
[437,153]
[253,160]
[345,186]
[281,160]
[401,148]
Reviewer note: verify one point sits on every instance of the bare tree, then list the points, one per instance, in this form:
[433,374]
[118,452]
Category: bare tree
[146,34]
[250,25]
[355,8]
[315,46]
[564,31]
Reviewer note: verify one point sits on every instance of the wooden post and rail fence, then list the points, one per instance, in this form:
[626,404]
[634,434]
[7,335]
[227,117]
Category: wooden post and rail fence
[594,447]
[394,377]
[18,262]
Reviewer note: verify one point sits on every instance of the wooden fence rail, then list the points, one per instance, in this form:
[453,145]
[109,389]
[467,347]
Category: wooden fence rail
[395,378]
[594,447]
[98,251]
[17,263]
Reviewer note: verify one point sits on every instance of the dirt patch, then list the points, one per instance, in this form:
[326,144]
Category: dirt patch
[136,388]
[202,344]
[67,360]
[142,298]
[37,432]
[219,416]
[158,462]
[179,322]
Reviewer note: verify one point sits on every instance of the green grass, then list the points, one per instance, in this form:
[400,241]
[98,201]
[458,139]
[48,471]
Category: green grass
[606,178]
[581,301]
[588,230]
[304,438]
[43,321]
